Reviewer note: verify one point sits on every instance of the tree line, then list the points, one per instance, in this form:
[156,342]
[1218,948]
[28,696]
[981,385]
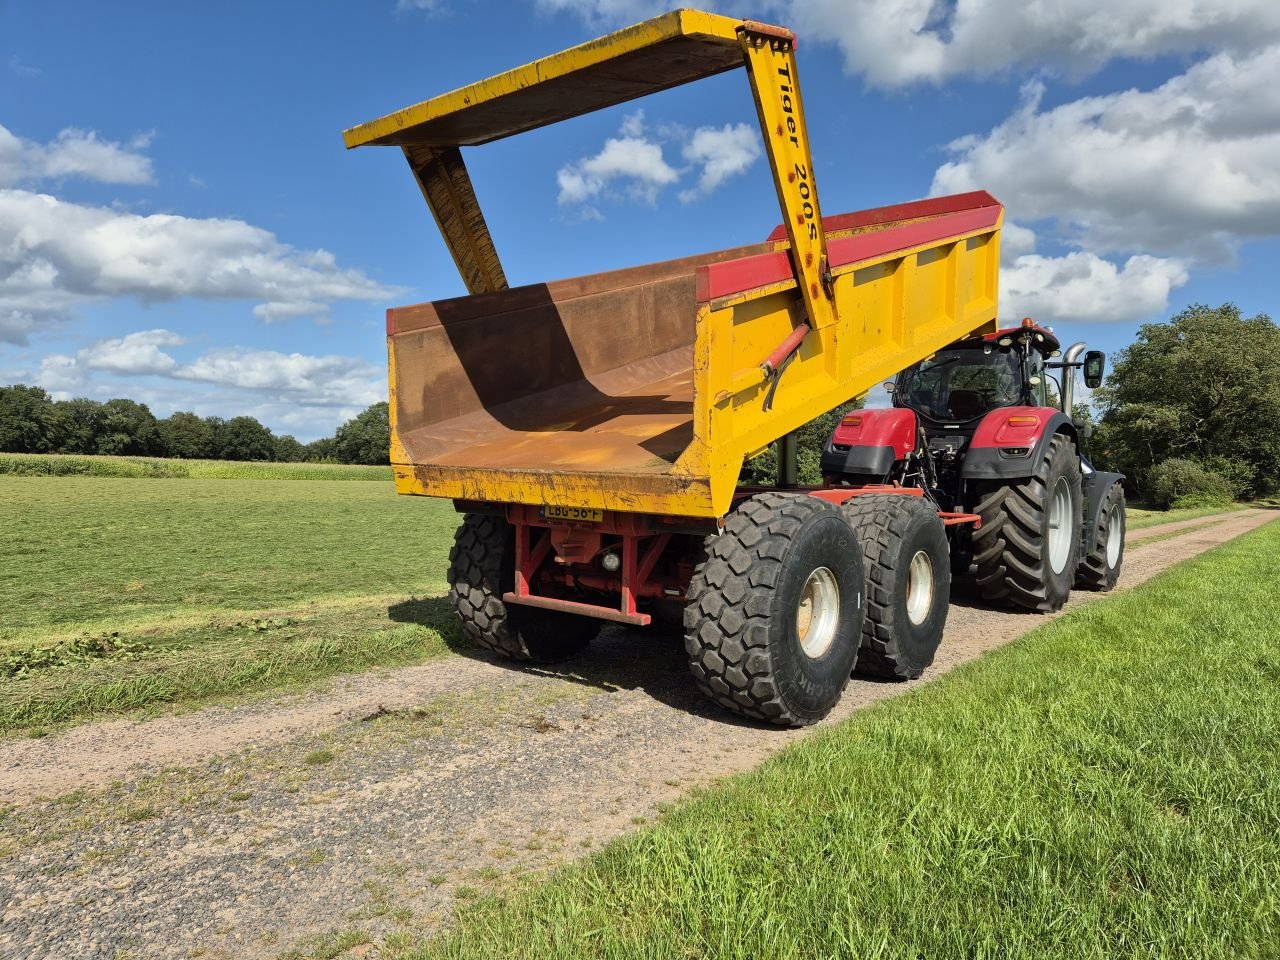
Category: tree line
[1190,409]
[33,422]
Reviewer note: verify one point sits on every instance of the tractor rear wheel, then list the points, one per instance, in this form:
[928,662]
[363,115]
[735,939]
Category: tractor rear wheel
[908,566]
[481,570]
[775,611]
[1028,545]
[1100,568]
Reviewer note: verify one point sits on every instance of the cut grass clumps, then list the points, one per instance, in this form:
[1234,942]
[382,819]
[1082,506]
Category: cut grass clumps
[63,465]
[1104,787]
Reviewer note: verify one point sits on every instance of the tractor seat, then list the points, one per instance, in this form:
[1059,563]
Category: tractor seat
[966,404]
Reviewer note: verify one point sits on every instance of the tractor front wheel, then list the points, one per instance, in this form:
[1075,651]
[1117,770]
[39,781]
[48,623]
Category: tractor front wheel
[1027,548]
[775,611]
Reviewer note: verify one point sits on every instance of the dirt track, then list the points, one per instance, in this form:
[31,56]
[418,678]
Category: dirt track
[378,801]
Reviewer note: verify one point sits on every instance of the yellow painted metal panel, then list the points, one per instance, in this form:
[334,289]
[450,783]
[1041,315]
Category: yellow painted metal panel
[775,85]
[613,69]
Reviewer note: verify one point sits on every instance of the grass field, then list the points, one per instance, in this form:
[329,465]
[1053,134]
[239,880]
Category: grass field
[1105,787]
[1138,516]
[153,468]
[118,593]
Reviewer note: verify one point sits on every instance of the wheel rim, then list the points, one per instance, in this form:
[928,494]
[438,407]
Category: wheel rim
[1060,532]
[818,612]
[919,588]
[1115,538]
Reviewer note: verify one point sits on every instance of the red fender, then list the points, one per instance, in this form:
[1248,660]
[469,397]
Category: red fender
[894,428]
[1013,427]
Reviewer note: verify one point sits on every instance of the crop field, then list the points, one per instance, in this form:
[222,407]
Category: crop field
[66,465]
[162,591]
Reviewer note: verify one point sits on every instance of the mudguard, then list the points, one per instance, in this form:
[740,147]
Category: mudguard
[1010,441]
[869,442]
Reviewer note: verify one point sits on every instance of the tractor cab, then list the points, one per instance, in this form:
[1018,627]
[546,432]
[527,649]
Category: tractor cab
[968,380]
[976,411]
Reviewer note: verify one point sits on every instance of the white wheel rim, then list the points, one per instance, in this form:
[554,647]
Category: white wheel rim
[919,588]
[818,613]
[1115,538]
[1060,532]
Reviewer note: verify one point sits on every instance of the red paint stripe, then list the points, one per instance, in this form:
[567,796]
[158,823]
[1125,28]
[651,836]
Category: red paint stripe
[718,280]
[391,322]
[933,207]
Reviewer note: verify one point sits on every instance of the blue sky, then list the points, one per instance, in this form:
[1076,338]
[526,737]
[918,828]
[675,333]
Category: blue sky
[180,223]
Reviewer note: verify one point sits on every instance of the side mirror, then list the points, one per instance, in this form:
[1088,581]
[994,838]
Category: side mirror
[1095,363]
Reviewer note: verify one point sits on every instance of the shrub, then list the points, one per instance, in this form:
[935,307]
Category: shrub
[1181,483]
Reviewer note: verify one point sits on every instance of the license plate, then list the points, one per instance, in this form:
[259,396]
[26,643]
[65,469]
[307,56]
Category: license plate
[578,514]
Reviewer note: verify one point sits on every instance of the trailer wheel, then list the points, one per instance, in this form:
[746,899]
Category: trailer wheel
[908,566]
[481,570]
[1028,545]
[775,610]
[1100,568]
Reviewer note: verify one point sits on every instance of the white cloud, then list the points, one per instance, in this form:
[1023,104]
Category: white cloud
[133,354]
[74,153]
[332,380]
[56,256]
[275,312]
[632,160]
[1082,287]
[294,392]
[896,42]
[1188,168]
[722,152]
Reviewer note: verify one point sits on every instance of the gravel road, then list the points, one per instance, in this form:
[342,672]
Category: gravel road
[377,802]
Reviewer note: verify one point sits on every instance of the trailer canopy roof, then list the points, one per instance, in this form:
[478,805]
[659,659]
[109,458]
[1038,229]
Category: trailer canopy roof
[667,51]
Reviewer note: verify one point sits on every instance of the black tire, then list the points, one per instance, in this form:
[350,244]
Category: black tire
[898,640]
[742,633]
[481,570]
[1097,570]
[1012,546]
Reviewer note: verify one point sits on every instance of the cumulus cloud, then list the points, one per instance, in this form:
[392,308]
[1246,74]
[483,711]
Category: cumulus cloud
[276,312]
[133,354]
[722,153]
[74,153]
[56,256]
[244,378]
[633,164]
[1187,169]
[1081,287]
[897,42]
[630,160]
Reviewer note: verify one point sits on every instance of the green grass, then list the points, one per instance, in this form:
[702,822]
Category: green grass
[150,468]
[118,594]
[1138,517]
[1105,787]
[92,552]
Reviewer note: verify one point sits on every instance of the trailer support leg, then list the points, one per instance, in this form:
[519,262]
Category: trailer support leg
[788,461]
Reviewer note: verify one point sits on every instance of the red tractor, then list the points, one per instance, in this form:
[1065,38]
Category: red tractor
[974,427]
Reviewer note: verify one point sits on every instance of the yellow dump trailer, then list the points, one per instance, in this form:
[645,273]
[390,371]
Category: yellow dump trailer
[593,430]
